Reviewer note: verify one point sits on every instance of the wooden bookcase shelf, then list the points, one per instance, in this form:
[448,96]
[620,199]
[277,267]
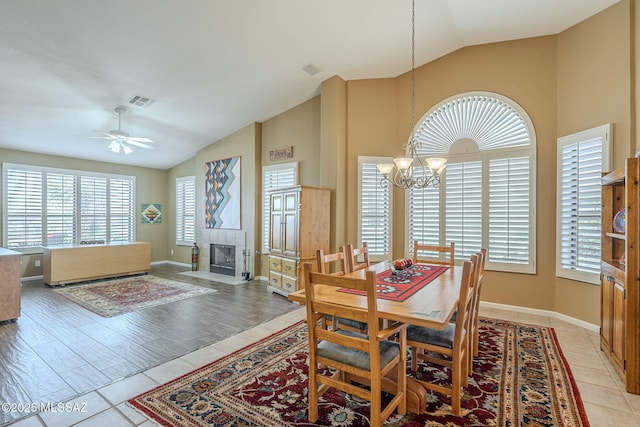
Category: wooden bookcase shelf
[619,294]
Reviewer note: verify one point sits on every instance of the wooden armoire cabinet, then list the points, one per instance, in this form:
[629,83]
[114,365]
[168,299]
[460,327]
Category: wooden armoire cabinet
[620,296]
[299,225]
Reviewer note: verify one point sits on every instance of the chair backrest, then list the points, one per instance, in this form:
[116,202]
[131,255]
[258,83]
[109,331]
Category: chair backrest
[466,300]
[334,263]
[353,263]
[447,251]
[316,309]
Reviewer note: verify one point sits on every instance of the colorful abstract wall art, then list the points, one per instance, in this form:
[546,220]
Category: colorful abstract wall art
[151,213]
[222,193]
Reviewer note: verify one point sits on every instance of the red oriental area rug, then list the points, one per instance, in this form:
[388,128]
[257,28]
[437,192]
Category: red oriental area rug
[110,298]
[520,378]
[401,284]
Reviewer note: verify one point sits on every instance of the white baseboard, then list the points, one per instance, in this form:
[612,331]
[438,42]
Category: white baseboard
[539,312]
[179,264]
[31,278]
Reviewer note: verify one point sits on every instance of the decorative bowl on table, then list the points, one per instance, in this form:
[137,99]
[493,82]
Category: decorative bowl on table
[620,221]
[402,263]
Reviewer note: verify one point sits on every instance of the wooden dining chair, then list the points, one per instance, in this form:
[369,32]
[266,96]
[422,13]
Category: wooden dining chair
[336,264]
[332,263]
[354,263]
[365,358]
[452,342]
[475,326]
[448,252]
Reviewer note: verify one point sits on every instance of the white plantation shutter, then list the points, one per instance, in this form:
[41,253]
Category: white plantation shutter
[185,210]
[464,207]
[424,218]
[274,177]
[581,160]
[121,214]
[23,210]
[487,193]
[374,221]
[61,208]
[93,208]
[49,206]
[509,210]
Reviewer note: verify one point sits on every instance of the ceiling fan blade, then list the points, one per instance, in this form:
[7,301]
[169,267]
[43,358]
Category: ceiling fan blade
[139,139]
[138,144]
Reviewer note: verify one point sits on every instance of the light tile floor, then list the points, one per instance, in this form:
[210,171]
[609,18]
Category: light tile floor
[606,402]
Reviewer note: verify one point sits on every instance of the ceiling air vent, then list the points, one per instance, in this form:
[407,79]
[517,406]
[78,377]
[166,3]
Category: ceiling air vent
[141,101]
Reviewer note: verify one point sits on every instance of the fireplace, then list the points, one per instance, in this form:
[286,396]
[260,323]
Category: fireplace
[223,259]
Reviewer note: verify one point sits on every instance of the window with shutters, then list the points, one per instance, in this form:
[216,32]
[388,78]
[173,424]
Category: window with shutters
[582,157]
[186,210]
[274,177]
[486,196]
[374,221]
[46,206]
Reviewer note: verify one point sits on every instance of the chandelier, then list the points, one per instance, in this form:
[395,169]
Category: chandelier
[411,171]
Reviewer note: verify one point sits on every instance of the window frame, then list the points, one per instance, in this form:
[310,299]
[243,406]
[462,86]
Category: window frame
[266,199]
[485,157]
[605,132]
[465,153]
[375,256]
[181,208]
[43,171]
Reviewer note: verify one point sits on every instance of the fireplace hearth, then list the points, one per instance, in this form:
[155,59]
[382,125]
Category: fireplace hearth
[223,259]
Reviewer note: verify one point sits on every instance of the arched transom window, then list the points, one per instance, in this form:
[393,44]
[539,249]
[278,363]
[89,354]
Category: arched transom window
[487,194]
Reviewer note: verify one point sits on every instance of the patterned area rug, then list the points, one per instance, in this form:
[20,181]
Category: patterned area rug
[520,378]
[114,297]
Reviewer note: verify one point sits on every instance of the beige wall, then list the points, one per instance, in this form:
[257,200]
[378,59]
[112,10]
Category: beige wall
[181,254]
[150,187]
[566,83]
[298,127]
[522,70]
[333,155]
[245,143]
[594,88]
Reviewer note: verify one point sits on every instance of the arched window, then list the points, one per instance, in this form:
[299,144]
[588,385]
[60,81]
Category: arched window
[486,197]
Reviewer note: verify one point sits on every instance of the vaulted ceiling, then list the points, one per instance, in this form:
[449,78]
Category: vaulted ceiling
[213,66]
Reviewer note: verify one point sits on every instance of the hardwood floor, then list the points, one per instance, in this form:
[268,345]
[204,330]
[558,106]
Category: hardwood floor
[58,350]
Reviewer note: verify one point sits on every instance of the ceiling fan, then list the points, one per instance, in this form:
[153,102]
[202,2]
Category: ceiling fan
[120,140]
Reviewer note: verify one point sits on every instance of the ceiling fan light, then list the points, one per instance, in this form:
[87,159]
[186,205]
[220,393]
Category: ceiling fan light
[126,149]
[114,146]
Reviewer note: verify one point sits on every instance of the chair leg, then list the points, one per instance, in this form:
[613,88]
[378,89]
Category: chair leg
[313,398]
[455,389]
[414,359]
[375,405]
[402,381]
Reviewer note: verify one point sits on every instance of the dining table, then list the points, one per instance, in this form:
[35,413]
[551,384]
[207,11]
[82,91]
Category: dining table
[431,306]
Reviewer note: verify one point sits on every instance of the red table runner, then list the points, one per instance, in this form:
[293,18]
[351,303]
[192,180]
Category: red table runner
[400,285]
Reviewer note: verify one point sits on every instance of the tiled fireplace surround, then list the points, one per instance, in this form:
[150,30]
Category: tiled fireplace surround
[235,238]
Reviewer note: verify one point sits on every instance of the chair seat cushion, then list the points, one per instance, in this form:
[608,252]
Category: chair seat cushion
[443,338]
[350,322]
[353,323]
[360,359]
